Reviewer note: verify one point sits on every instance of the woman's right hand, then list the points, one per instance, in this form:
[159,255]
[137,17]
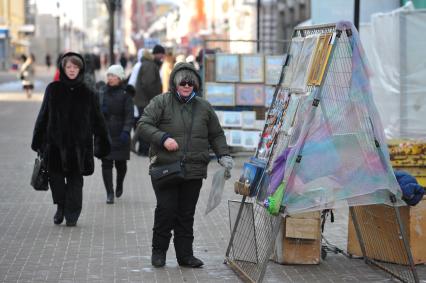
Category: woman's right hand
[171,145]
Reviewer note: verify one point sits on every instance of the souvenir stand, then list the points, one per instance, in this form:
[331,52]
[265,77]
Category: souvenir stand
[322,147]
[240,87]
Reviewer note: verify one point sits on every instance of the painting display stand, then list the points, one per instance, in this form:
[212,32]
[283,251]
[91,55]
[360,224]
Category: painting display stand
[254,225]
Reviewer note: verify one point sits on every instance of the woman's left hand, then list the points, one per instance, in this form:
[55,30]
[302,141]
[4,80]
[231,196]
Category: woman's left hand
[171,144]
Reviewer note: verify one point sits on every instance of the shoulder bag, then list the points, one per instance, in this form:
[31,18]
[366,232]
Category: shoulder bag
[39,178]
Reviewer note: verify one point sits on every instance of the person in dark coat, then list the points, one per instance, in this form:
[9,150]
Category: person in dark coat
[177,124]
[148,85]
[117,108]
[66,125]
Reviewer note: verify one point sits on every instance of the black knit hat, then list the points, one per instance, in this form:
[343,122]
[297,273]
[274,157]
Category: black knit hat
[158,49]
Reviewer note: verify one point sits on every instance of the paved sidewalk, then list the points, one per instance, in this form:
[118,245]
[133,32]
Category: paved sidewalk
[112,243]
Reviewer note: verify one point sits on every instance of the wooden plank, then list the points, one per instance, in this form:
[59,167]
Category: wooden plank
[302,228]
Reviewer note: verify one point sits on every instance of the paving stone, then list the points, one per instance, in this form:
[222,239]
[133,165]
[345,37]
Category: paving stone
[112,243]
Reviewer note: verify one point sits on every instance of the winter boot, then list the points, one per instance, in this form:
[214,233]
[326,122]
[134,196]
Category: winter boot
[107,176]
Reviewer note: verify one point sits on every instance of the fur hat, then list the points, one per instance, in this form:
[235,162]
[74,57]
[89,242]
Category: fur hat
[158,49]
[116,70]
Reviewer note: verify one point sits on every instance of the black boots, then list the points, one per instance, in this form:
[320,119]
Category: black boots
[190,261]
[119,190]
[59,215]
[158,258]
[107,176]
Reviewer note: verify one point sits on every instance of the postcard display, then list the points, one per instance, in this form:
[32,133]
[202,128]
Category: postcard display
[241,80]
[321,143]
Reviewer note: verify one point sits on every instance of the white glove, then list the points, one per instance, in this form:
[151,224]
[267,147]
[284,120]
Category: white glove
[227,162]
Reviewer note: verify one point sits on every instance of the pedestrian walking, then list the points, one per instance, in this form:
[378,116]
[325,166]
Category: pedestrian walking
[159,53]
[68,120]
[48,61]
[181,128]
[27,73]
[148,85]
[117,107]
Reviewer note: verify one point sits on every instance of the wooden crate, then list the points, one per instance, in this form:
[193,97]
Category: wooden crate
[299,241]
[414,219]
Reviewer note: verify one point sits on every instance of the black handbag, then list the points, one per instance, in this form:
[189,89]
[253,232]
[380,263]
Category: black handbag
[39,178]
[173,172]
[168,172]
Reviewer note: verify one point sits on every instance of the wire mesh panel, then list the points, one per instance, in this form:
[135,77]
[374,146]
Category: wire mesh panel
[383,240]
[251,243]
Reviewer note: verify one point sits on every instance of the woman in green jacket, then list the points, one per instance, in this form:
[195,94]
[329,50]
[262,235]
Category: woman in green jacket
[181,126]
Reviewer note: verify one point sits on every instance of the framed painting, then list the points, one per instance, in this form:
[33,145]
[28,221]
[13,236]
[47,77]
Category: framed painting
[232,119]
[248,119]
[322,53]
[250,139]
[227,67]
[273,67]
[250,95]
[220,94]
[236,137]
[252,68]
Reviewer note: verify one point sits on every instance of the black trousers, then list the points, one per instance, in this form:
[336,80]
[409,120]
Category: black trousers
[175,211]
[120,166]
[67,192]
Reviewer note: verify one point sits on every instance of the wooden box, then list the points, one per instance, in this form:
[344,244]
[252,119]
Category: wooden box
[414,220]
[299,241]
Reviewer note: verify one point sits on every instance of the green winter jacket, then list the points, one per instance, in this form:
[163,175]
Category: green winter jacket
[167,115]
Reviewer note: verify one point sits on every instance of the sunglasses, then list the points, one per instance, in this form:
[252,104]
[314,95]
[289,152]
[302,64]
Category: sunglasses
[184,83]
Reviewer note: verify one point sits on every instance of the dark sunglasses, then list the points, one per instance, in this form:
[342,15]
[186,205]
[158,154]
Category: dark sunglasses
[184,83]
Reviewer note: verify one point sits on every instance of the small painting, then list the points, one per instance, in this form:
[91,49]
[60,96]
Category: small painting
[250,95]
[273,67]
[250,139]
[236,138]
[220,94]
[248,119]
[252,68]
[227,67]
[232,119]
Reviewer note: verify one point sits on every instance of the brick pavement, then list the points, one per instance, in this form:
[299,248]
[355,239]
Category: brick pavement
[112,242]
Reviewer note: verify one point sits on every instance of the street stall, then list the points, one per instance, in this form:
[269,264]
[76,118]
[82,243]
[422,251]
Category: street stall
[322,147]
[240,86]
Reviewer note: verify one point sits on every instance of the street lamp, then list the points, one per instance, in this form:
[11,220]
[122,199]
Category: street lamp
[112,6]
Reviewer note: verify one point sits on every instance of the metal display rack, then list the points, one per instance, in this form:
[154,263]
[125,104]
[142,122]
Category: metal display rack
[254,230]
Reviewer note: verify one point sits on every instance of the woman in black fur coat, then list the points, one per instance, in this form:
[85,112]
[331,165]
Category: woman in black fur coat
[64,131]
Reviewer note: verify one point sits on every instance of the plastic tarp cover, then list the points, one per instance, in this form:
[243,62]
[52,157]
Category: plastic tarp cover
[333,159]
[395,48]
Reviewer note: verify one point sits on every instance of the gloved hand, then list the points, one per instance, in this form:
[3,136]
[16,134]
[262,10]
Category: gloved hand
[227,162]
[124,137]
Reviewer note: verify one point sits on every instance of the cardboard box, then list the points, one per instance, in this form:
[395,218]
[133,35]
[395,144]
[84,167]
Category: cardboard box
[299,241]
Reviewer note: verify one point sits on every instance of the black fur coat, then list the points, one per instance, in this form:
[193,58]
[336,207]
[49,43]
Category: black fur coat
[67,123]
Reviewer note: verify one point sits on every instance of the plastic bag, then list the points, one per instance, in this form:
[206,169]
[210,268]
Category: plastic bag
[216,191]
